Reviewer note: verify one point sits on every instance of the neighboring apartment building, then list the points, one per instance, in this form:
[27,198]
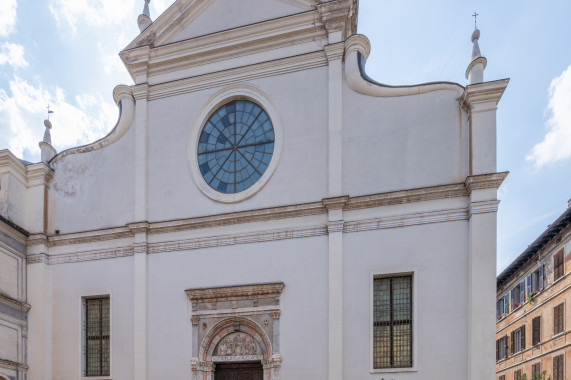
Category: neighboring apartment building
[13,301]
[533,308]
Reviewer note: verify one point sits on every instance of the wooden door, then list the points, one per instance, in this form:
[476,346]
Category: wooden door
[239,371]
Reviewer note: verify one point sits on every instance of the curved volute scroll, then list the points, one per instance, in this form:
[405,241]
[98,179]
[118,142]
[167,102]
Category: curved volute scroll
[124,99]
[357,49]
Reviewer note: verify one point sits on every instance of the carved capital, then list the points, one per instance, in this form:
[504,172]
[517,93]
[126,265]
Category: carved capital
[195,319]
[339,16]
[276,314]
[337,203]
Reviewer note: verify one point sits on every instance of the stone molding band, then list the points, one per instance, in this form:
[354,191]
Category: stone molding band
[344,203]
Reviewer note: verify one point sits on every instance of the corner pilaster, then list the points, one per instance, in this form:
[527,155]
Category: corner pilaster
[482,240]
[481,101]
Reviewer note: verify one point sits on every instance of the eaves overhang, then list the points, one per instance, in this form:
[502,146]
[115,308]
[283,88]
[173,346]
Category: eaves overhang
[534,248]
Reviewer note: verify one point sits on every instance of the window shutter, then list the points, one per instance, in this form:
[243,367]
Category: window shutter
[522,291]
[523,337]
[506,303]
[511,343]
[497,350]
[558,268]
[541,275]
[528,279]
[536,330]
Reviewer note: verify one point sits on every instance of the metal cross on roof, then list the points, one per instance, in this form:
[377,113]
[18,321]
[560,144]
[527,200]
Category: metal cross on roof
[49,111]
[475,15]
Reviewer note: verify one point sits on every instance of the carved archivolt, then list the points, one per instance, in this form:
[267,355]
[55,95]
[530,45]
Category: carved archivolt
[235,337]
[235,324]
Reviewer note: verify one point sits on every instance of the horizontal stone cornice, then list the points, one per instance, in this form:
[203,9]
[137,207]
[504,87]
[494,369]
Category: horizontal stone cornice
[484,207]
[12,165]
[39,174]
[344,203]
[152,60]
[406,196]
[226,293]
[240,74]
[14,304]
[8,364]
[438,216]
[485,181]
[483,96]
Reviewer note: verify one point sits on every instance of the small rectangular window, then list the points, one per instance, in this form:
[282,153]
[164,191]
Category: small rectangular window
[392,321]
[517,375]
[558,373]
[536,330]
[536,371]
[558,319]
[558,267]
[502,377]
[96,336]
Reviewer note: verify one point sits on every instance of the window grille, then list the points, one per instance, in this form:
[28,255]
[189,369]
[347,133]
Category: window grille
[558,268]
[392,321]
[558,319]
[97,333]
[535,370]
[558,373]
[517,375]
[536,331]
[502,377]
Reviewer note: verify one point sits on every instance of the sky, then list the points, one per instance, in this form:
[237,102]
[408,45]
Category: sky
[65,53]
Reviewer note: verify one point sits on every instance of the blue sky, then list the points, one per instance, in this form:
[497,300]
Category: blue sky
[64,52]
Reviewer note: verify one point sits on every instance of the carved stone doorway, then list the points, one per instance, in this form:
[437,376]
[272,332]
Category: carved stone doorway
[239,371]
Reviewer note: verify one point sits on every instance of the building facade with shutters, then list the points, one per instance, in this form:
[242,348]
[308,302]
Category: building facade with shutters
[264,209]
[532,309]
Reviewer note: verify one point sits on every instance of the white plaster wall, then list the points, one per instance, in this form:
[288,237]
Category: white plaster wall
[13,199]
[439,255]
[301,101]
[402,142]
[229,14]
[301,264]
[8,342]
[93,190]
[71,282]
[8,274]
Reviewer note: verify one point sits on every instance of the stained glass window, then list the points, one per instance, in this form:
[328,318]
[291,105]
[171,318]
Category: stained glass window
[235,146]
[392,322]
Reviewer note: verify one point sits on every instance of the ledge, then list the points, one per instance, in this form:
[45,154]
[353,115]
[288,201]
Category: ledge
[235,292]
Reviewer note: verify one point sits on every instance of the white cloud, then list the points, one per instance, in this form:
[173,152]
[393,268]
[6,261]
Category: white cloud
[13,55]
[84,120]
[92,12]
[110,55]
[7,17]
[556,145]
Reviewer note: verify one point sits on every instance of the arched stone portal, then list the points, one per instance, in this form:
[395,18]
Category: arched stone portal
[238,324]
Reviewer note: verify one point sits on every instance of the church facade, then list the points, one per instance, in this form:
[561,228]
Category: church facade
[262,210]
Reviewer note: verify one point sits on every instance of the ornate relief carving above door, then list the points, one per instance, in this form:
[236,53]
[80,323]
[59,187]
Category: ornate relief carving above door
[235,324]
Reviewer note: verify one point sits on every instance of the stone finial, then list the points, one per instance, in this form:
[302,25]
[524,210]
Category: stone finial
[475,70]
[144,19]
[48,151]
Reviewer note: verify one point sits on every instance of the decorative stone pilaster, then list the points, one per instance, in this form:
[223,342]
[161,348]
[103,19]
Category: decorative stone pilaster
[335,229]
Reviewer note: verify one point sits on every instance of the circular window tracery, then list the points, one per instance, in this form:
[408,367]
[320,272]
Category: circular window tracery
[235,146]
